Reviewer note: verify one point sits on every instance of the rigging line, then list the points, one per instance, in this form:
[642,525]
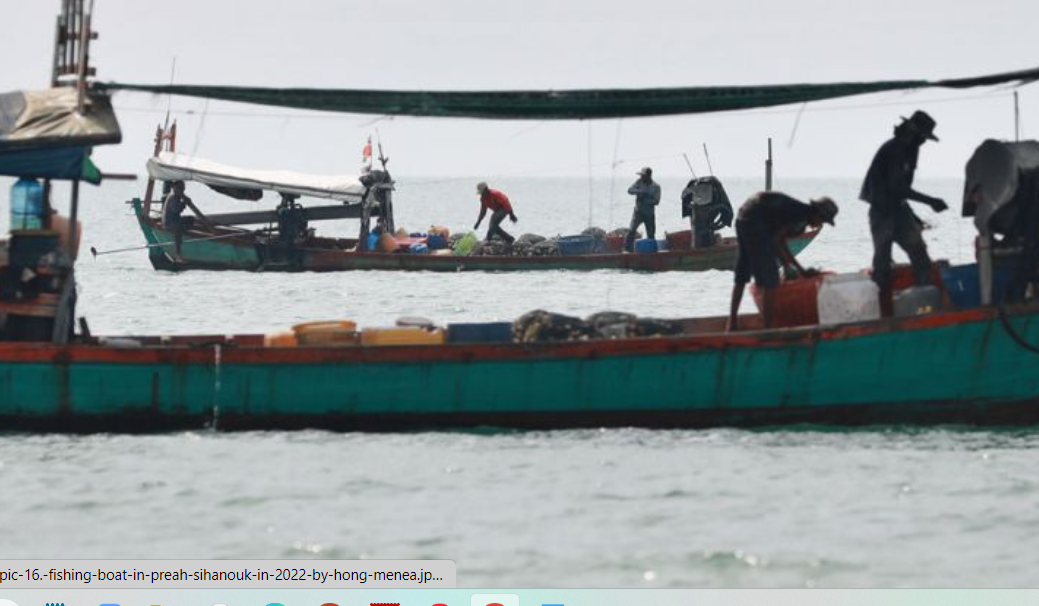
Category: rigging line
[374,121]
[591,179]
[614,164]
[613,184]
[536,171]
[529,129]
[228,114]
[198,131]
[797,122]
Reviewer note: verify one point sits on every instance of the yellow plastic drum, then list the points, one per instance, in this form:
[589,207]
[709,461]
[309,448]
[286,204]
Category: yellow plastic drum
[336,333]
[402,336]
[280,339]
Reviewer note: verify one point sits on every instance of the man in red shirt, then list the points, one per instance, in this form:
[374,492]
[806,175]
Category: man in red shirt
[500,208]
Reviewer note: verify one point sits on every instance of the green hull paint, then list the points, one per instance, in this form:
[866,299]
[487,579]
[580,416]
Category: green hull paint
[244,254]
[960,371]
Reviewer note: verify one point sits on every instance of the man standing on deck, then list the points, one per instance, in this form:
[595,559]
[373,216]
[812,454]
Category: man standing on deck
[647,196]
[500,208]
[888,187]
[172,209]
[764,223]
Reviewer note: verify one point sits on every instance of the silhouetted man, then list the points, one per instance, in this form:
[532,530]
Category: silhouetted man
[647,196]
[764,223]
[888,187]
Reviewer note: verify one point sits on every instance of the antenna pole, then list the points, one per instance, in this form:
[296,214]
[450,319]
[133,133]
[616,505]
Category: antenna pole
[690,165]
[1017,118]
[169,97]
[768,167]
[708,157]
[84,57]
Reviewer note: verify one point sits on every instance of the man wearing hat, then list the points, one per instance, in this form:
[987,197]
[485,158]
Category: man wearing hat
[888,187]
[764,223]
[647,196]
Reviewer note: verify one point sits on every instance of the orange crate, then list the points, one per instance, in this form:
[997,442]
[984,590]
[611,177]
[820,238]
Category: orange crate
[680,240]
[797,301]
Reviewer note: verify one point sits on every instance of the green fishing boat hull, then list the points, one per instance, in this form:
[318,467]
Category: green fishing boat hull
[958,367]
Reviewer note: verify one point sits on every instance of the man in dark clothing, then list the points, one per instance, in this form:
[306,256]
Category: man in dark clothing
[887,188]
[647,196]
[764,223]
[500,208]
[707,205]
[172,209]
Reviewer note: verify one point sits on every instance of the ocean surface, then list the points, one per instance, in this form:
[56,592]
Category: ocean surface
[796,507]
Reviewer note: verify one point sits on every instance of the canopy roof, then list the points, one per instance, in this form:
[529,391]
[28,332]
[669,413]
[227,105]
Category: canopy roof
[170,166]
[43,135]
[559,105]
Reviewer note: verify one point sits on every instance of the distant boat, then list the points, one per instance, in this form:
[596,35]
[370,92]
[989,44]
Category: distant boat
[220,242]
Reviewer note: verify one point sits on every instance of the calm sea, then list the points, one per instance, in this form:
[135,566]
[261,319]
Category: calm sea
[797,507]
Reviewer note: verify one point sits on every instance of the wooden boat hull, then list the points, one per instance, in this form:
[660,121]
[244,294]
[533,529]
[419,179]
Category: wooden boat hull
[245,254]
[956,367]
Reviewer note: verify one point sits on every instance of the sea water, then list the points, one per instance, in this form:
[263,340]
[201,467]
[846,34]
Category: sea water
[799,506]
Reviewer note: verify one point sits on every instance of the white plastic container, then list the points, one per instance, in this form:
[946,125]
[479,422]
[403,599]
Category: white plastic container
[847,298]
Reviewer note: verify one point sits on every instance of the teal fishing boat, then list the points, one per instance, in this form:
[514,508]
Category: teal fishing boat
[280,239]
[226,248]
[953,367]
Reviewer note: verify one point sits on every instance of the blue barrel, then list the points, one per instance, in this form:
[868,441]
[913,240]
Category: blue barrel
[27,204]
[484,332]
[645,245]
[418,249]
[436,242]
[576,245]
[372,242]
[963,284]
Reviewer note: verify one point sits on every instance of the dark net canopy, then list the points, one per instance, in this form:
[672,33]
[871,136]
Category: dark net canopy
[562,104]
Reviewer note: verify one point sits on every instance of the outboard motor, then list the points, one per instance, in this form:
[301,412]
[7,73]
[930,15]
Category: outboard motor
[378,202]
[1002,194]
[705,201]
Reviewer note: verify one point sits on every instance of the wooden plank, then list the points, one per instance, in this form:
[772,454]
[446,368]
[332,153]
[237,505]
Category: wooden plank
[314,213]
[44,306]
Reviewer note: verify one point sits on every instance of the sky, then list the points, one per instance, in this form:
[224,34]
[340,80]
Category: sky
[547,44]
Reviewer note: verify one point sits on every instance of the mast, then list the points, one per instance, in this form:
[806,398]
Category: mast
[71,67]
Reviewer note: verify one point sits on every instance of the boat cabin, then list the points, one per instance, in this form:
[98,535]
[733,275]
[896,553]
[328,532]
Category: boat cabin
[276,236]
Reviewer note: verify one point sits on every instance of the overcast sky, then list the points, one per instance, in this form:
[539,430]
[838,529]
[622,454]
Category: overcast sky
[538,44]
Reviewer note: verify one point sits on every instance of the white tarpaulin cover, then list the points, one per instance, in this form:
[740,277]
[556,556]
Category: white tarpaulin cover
[50,118]
[170,166]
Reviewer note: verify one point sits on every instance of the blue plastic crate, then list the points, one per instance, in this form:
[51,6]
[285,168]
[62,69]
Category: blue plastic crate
[645,245]
[436,242]
[576,245]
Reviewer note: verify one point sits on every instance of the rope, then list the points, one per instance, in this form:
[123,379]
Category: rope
[1012,332]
